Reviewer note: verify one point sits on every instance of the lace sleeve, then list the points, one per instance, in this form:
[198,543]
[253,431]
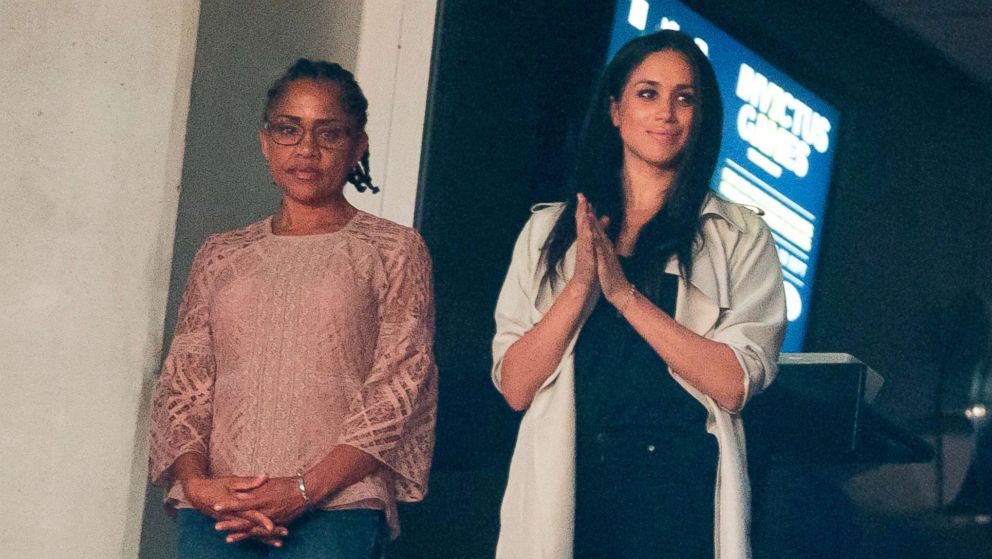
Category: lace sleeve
[392,418]
[182,405]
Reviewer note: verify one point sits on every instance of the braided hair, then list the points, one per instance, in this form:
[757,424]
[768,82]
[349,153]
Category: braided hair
[352,98]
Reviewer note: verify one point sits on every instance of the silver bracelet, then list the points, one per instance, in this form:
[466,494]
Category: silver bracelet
[303,489]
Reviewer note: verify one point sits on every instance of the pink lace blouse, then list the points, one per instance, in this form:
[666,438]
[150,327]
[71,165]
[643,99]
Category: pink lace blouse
[289,345]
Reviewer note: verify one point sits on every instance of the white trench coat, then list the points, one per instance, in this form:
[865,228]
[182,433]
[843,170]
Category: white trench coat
[735,297]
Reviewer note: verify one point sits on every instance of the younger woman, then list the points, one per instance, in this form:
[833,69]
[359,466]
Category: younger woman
[634,323]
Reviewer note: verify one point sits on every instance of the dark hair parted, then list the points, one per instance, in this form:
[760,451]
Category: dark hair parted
[352,98]
[598,165]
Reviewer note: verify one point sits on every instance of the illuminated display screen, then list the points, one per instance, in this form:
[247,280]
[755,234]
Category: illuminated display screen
[778,143]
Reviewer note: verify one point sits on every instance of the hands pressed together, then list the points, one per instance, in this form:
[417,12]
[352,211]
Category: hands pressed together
[248,507]
[596,262]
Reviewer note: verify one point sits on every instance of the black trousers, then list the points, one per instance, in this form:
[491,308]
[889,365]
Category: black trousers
[640,496]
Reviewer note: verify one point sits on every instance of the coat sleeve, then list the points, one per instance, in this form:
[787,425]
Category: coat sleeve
[515,314]
[182,408]
[754,324]
[392,417]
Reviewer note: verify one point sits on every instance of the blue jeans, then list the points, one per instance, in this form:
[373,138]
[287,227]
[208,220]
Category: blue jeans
[339,534]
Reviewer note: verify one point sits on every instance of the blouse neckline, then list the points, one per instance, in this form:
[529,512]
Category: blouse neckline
[267,228]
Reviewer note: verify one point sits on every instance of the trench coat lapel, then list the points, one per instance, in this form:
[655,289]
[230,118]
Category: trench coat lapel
[701,298]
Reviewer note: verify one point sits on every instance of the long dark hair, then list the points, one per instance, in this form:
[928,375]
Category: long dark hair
[352,97]
[598,164]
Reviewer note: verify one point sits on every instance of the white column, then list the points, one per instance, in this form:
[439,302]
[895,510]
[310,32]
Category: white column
[394,58]
[95,95]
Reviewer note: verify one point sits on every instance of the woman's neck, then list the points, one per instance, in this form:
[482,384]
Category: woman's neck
[646,189]
[294,218]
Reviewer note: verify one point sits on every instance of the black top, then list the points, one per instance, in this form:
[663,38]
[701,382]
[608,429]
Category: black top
[645,465]
[621,384]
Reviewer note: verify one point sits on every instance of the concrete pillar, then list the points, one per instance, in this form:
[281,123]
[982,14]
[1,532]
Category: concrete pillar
[95,94]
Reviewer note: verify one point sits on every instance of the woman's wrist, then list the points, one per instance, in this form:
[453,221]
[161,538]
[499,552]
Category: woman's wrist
[581,282]
[190,466]
[622,297]
[301,486]
[582,288]
[578,296]
[318,488]
[342,467]
[622,292]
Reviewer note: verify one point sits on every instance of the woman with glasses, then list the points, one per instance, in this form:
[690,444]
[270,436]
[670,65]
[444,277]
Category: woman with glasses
[634,323]
[297,403]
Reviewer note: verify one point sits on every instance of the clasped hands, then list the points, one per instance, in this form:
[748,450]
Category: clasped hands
[596,261]
[256,507]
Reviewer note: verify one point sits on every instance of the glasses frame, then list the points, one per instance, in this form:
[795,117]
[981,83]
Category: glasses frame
[349,133]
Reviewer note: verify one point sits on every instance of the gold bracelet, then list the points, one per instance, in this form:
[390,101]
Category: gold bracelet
[626,300]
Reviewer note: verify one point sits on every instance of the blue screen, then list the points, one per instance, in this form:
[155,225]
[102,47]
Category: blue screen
[778,143]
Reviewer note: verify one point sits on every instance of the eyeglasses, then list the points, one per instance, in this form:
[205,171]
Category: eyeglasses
[290,134]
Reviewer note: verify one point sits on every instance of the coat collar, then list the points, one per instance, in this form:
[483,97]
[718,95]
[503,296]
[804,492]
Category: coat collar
[713,205]
[709,275]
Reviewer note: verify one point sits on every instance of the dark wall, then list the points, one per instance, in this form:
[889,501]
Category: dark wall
[510,79]
[907,229]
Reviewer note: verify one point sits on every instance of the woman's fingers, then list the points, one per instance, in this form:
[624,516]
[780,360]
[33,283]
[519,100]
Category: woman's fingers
[246,510]
[586,220]
[610,274]
[599,237]
[233,524]
[259,532]
[236,504]
[602,243]
[279,532]
[247,483]
[237,537]
[273,539]
[586,256]
[260,519]
[585,225]
[248,520]
[585,207]
[581,211]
